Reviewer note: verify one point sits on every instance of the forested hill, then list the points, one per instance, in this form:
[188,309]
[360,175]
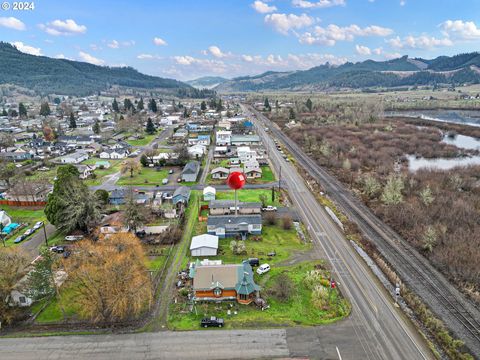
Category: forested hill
[459,69]
[65,77]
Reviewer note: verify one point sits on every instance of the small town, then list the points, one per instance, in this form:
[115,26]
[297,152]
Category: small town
[220,180]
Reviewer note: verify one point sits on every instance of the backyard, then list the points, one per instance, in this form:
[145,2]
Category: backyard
[147,139]
[100,174]
[146,176]
[251,195]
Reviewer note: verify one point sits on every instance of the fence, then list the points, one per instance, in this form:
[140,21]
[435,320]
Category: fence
[23,203]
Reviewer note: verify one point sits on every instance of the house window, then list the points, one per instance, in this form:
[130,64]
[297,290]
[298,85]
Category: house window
[22,299]
[243,297]
[217,292]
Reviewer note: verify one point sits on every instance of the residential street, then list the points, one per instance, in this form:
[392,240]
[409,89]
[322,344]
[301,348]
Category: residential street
[38,239]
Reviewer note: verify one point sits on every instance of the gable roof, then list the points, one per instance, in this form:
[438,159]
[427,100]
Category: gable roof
[204,240]
[191,167]
[183,191]
[224,220]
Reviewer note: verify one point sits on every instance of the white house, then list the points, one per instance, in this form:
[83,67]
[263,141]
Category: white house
[245,154]
[74,158]
[204,245]
[223,138]
[114,154]
[197,150]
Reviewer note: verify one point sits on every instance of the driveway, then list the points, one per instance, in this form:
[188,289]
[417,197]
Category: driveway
[32,246]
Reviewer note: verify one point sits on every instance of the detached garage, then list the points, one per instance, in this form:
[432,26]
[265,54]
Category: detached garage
[204,245]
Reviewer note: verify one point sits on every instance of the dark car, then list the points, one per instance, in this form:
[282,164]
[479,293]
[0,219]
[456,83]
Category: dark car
[19,239]
[254,262]
[212,321]
[141,234]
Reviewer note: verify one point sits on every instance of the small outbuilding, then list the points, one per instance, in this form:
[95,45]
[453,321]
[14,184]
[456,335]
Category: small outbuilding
[204,245]
[209,193]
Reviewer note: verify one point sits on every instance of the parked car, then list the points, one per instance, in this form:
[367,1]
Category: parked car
[73,237]
[19,239]
[165,181]
[212,321]
[141,234]
[269,208]
[38,225]
[59,249]
[28,232]
[254,262]
[262,269]
[170,171]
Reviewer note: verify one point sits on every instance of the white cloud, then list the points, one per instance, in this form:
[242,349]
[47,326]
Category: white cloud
[12,23]
[145,56]
[114,44]
[202,65]
[27,48]
[363,50]
[159,41]
[90,59]
[419,42]
[390,56]
[332,33]
[317,4]
[63,27]
[283,23]
[263,8]
[216,52]
[247,58]
[459,29]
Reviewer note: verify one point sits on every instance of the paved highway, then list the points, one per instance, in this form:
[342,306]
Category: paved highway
[382,331]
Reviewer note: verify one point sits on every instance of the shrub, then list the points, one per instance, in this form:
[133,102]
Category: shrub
[320,297]
[271,218]
[287,222]
[282,287]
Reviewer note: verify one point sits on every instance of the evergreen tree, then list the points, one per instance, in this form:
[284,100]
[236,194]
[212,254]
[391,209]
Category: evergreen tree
[152,105]
[45,109]
[185,113]
[40,281]
[150,128]
[291,114]
[309,105]
[22,110]
[12,113]
[128,105]
[73,122]
[115,105]
[266,105]
[203,106]
[219,105]
[140,104]
[96,128]
[4,112]
[144,160]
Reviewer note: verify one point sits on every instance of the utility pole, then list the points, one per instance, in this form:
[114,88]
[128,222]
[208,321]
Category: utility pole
[45,233]
[280,179]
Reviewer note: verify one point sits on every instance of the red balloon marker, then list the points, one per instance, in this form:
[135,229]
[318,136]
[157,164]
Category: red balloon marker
[236,180]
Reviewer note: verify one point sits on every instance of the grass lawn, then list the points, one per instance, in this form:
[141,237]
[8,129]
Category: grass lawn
[297,310]
[23,215]
[146,176]
[44,175]
[142,142]
[53,311]
[101,173]
[250,195]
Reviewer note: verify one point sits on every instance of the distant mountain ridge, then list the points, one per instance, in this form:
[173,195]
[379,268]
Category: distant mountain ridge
[403,71]
[207,82]
[66,77]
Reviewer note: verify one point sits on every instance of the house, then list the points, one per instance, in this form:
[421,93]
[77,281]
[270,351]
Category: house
[220,173]
[74,158]
[225,124]
[16,155]
[85,171]
[234,161]
[224,282]
[245,154]
[242,140]
[120,153]
[231,225]
[209,193]
[102,164]
[204,245]
[226,207]
[220,151]
[180,134]
[223,138]
[38,191]
[253,172]
[181,195]
[190,171]
[117,197]
[197,151]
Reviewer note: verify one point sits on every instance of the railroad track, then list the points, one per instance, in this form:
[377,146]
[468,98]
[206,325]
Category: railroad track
[443,299]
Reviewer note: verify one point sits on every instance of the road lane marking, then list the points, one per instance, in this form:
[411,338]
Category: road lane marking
[338,352]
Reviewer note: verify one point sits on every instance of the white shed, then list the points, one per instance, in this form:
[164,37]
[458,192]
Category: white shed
[204,245]
[209,193]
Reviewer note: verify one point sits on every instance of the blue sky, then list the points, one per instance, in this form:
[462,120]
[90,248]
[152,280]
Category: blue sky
[186,39]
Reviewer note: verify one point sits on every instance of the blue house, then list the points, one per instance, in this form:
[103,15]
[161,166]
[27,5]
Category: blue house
[117,197]
[231,225]
[181,195]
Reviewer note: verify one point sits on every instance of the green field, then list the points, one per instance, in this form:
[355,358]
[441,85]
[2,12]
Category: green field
[146,176]
[250,195]
[115,166]
[142,142]
[53,312]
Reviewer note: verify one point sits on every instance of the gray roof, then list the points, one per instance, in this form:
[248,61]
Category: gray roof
[234,220]
[191,167]
[182,190]
[215,204]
